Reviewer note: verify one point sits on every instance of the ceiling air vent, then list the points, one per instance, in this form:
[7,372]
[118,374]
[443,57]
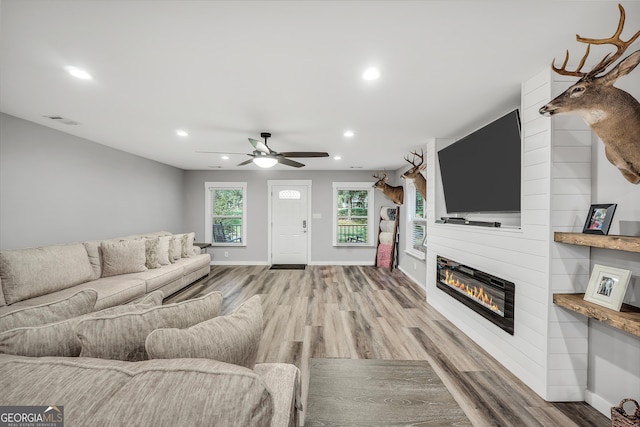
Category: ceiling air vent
[63,120]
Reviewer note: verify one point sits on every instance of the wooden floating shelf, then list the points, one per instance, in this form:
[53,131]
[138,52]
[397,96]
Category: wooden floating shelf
[627,319]
[620,243]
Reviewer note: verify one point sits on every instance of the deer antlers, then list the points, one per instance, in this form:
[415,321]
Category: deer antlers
[381,178]
[415,154]
[607,60]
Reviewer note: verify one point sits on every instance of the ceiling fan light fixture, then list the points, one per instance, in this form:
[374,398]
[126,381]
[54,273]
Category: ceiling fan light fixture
[265,161]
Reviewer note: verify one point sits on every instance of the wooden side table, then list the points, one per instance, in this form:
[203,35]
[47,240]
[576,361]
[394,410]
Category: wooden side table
[202,246]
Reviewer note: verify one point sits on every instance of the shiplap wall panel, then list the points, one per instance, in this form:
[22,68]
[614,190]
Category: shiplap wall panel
[549,348]
[570,199]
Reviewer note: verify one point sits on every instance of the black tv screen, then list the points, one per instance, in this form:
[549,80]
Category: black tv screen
[481,172]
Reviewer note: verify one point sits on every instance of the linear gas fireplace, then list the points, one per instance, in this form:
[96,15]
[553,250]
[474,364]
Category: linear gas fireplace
[487,295]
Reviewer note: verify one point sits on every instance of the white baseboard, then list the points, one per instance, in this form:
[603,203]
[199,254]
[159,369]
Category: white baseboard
[599,403]
[214,262]
[406,273]
[341,263]
[238,263]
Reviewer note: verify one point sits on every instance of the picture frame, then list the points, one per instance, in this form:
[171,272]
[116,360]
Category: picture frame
[607,286]
[599,219]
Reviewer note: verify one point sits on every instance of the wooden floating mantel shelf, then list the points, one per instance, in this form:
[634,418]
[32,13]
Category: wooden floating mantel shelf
[620,243]
[627,319]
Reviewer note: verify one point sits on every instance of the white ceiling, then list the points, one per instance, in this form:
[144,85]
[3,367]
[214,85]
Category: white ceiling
[228,70]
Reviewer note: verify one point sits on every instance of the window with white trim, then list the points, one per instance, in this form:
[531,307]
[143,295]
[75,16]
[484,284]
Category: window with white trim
[353,208]
[226,213]
[416,221]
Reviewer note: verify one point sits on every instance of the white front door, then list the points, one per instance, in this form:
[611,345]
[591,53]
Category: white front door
[289,224]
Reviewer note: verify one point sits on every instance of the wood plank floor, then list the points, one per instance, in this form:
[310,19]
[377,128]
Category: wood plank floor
[362,312]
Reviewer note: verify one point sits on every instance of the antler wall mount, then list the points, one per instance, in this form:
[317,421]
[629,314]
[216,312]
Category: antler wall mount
[613,114]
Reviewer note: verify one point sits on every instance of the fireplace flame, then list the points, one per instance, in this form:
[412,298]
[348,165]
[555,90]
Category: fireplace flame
[476,293]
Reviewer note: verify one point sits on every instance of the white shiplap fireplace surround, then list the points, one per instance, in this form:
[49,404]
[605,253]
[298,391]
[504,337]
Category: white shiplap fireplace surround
[549,348]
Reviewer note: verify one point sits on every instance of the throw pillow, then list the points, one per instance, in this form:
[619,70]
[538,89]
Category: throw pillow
[175,249]
[164,243]
[233,338]
[121,337]
[122,256]
[151,253]
[76,305]
[59,338]
[31,272]
[191,237]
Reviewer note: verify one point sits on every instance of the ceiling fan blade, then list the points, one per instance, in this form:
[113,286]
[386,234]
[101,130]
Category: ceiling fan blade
[305,154]
[246,162]
[288,162]
[260,146]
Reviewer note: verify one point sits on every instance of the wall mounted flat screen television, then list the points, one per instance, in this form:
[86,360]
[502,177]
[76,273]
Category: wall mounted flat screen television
[481,172]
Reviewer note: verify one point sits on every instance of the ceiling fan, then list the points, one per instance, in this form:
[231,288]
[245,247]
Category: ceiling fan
[265,157]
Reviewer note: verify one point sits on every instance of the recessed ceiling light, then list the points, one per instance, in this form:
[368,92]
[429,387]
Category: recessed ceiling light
[337,158]
[371,73]
[224,157]
[348,133]
[78,73]
[182,133]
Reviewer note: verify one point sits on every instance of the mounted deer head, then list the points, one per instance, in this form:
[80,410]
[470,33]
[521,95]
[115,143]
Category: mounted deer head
[414,174]
[396,194]
[613,114]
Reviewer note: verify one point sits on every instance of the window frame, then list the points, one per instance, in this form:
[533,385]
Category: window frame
[209,187]
[356,186]
[411,219]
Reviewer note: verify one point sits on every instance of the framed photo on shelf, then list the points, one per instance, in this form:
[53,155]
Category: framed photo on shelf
[599,219]
[607,286]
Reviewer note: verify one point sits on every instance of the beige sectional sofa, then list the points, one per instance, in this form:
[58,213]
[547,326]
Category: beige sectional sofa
[95,340]
[120,270]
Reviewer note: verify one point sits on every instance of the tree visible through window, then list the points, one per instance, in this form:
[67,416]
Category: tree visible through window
[227,216]
[226,213]
[353,220]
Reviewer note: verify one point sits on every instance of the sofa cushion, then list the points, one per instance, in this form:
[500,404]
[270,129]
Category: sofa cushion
[95,257]
[122,337]
[31,272]
[80,303]
[151,253]
[194,263]
[122,256]
[164,244]
[115,290]
[160,277]
[175,392]
[233,338]
[59,338]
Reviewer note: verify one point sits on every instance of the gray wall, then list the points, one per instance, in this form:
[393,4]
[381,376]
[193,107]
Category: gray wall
[256,250]
[614,371]
[58,188]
